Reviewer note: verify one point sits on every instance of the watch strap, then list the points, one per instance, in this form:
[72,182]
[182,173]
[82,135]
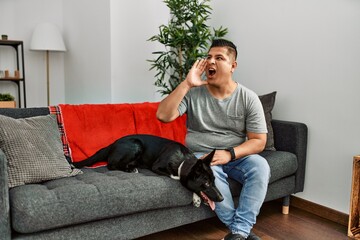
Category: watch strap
[232,153]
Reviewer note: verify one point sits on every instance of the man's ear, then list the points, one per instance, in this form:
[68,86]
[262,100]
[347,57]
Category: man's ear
[233,66]
[207,160]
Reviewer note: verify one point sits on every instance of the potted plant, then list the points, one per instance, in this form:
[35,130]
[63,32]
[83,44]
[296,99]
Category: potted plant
[185,39]
[7,100]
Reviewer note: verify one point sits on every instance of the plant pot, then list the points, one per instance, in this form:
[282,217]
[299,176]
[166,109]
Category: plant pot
[7,104]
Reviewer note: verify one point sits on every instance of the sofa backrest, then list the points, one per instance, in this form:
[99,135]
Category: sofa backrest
[89,127]
[24,112]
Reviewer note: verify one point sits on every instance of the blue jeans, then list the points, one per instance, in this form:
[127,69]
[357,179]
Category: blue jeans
[253,172]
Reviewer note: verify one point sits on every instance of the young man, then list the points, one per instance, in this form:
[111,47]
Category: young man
[224,115]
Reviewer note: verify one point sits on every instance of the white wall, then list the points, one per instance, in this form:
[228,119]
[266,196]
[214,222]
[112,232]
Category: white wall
[131,26]
[306,50]
[18,19]
[108,48]
[87,62]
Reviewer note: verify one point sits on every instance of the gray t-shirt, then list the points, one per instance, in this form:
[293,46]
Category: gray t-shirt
[220,124]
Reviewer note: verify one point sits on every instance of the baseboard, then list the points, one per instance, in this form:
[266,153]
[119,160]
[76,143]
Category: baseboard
[320,210]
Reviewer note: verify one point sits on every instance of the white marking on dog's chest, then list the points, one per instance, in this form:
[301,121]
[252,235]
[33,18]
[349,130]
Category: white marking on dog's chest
[196,198]
[179,171]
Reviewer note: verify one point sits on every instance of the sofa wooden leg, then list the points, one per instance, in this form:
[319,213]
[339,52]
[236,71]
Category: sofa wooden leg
[286,205]
[285,210]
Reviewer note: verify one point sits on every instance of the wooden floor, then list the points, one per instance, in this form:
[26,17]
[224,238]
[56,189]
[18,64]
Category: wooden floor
[271,224]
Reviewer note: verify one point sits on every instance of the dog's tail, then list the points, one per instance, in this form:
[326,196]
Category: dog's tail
[99,156]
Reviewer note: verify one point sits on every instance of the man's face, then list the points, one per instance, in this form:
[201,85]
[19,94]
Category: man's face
[220,65]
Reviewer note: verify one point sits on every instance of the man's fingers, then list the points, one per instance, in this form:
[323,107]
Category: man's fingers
[200,63]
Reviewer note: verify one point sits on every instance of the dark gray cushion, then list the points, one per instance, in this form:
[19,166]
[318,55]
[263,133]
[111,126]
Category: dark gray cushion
[95,194]
[282,165]
[33,150]
[268,101]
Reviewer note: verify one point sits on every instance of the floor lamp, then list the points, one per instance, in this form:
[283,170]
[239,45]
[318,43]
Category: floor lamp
[47,37]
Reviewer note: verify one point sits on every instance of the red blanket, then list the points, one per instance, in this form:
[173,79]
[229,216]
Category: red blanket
[90,127]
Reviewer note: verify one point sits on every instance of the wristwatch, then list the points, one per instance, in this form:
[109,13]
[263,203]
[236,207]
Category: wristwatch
[232,153]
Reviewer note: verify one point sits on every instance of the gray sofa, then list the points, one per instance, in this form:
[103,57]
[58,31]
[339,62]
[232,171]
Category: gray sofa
[103,204]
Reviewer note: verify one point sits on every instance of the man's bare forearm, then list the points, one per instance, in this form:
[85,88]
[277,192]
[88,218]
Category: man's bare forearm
[168,108]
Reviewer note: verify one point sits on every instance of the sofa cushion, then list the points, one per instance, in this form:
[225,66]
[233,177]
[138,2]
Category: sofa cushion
[96,194]
[282,165]
[33,150]
[268,101]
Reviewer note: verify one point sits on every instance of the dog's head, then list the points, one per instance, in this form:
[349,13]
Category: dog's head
[200,179]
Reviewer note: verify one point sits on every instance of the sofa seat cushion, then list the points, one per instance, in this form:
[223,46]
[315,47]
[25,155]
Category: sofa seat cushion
[96,194]
[282,165]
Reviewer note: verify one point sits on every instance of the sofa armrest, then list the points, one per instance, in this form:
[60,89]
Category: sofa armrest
[292,137]
[5,231]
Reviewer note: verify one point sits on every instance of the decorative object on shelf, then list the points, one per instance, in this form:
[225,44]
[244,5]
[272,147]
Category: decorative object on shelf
[4,37]
[6,74]
[16,74]
[7,100]
[185,39]
[47,37]
[18,77]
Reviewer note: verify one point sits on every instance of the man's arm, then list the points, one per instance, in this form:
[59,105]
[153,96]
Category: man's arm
[168,108]
[255,144]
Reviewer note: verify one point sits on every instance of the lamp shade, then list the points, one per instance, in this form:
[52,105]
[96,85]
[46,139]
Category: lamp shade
[47,36]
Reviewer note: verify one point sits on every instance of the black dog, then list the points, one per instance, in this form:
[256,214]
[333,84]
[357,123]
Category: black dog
[164,157]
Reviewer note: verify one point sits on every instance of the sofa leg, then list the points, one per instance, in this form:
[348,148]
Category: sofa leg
[286,205]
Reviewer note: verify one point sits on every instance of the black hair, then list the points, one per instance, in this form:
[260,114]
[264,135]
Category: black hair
[220,42]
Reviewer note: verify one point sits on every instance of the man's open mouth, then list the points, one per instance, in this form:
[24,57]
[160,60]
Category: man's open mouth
[211,72]
[207,201]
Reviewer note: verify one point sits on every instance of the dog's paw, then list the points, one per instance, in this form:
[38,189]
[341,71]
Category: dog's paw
[196,200]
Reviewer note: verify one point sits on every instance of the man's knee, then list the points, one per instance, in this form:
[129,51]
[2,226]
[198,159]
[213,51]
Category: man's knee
[260,167]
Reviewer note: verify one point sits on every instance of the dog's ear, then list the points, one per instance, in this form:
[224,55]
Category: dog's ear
[207,160]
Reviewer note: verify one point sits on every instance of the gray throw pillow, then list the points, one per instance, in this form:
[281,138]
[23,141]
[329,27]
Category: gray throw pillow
[33,150]
[268,101]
